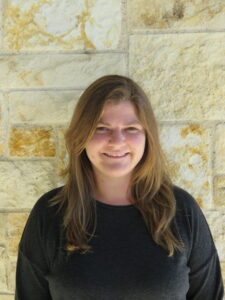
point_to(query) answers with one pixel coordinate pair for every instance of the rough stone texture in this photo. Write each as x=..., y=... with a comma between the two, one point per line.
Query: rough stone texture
x=1, y=11
x=187, y=150
x=23, y=182
x=62, y=157
x=58, y=70
x=90, y=24
x=219, y=191
x=220, y=149
x=42, y=106
x=176, y=14
x=7, y=297
x=2, y=227
x=223, y=272
x=47, y=58
x=32, y=142
x=1, y=129
x=183, y=73
x=216, y=221
x=11, y=267
x=3, y=283
x=15, y=226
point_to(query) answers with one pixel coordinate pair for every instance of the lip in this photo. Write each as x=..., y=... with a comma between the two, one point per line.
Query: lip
x=115, y=157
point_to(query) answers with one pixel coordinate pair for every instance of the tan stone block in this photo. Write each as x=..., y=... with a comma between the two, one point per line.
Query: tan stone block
x=174, y=14
x=58, y=70
x=32, y=142
x=183, y=74
x=187, y=149
x=23, y=182
x=219, y=188
x=3, y=282
x=42, y=106
x=220, y=149
x=2, y=227
x=11, y=273
x=223, y=271
x=216, y=221
x=1, y=25
x=15, y=226
x=32, y=24
x=62, y=157
x=1, y=124
x=7, y=297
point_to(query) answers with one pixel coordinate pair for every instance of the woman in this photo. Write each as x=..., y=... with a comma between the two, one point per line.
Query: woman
x=118, y=229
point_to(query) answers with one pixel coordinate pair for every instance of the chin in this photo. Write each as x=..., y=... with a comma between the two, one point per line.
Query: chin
x=116, y=174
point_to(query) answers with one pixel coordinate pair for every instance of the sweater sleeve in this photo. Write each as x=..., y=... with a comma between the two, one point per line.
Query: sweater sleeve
x=30, y=280
x=33, y=261
x=205, y=277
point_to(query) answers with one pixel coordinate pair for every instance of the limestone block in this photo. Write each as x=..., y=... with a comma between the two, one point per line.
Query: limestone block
x=58, y=70
x=176, y=14
x=1, y=101
x=32, y=142
x=1, y=23
x=42, y=106
x=2, y=227
x=183, y=74
x=62, y=157
x=187, y=149
x=15, y=226
x=220, y=149
x=223, y=272
x=22, y=182
x=1, y=124
x=219, y=188
x=63, y=24
x=3, y=283
x=216, y=221
x=7, y=297
x=11, y=273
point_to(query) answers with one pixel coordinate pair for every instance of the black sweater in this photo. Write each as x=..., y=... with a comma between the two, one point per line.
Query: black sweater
x=126, y=264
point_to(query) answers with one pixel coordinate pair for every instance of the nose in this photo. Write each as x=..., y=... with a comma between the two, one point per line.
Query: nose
x=117, y=137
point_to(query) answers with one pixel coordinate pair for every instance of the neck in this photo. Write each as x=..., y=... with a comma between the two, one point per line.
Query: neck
x=113, y=191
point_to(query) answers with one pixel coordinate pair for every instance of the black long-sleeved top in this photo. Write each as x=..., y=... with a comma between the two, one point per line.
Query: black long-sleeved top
x=126, y=264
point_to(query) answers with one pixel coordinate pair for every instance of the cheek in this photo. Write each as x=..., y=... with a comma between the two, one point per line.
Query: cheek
x=138, y=141
x=97, y=140
x=94, y=145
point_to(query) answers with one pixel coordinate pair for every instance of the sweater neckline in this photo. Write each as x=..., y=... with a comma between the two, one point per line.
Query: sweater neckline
x=112, y=206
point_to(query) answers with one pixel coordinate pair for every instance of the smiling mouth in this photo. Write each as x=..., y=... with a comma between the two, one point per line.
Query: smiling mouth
x=116, y=156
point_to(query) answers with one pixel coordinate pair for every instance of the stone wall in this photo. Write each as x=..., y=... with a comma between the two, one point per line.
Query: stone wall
x=51, y=50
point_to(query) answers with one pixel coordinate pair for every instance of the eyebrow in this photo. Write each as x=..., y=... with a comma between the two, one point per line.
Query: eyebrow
x=126, y=124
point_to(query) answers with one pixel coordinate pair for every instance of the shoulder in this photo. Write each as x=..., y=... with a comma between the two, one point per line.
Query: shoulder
x=185, y=202
x=42, y=215
x=44, y=200
x=43, y=207
x=188, y=213
x=42, y=229
x=190, y=218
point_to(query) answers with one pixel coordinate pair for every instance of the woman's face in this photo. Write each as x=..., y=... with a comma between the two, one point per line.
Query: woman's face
x=118, y=142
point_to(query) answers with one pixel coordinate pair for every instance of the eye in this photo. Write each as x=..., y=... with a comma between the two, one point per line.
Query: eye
x=101, y=129
x=132, y=129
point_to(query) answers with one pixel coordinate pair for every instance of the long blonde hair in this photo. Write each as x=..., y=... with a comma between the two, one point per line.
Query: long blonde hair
x=150, y=186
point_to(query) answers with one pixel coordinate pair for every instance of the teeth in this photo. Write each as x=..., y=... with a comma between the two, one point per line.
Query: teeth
x=115, y=155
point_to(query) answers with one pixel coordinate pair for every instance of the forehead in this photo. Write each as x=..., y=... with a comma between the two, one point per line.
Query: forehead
x=119, y=111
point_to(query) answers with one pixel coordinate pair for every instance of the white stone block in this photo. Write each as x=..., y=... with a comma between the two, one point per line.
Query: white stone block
x=220, y=149
x=187, y=149
x=23, y=182
x=172, y=14
x=63, y=24
x=51, y=107
x=58, y=70
x=183, y=74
